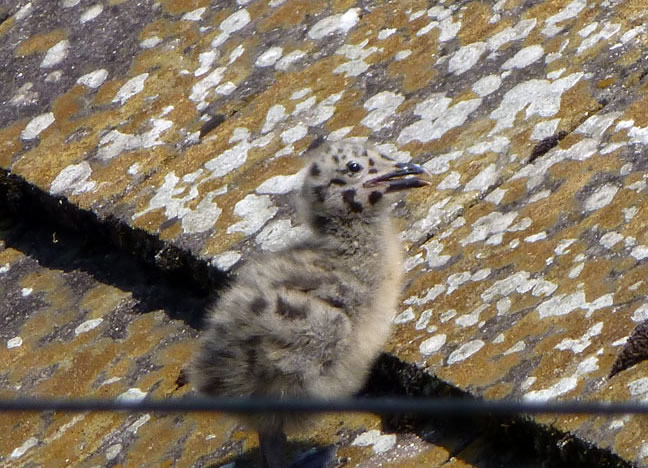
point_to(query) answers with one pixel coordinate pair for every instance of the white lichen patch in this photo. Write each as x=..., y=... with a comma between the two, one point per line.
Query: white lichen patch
x=432, y=345
x=115, y=142
x=113, y=451
x=493, y=223
x=385, y=33
x=516, y=348
x=485, y=179
x=132, y=394
x=280, y=234
x=236, y=21
x=468, y=320
x=201, y=90
x=610, y=239
x=204, y=216
x=424, y=319
x=520, y=31
x=226, y=260
x=20, y=451
x=255, y=210
x=87, y=326
x=536, y=237
x=382, y=106
x=563, y=304
x=603, y=196
x=194, y=15
x=26, y=10
x=150, y=42
x=275, y=115
x=579, y=345
x=561, y=387
x=402, y=55
x=430, y=295
x=465, y=351
x=433, y=248
x=496, y=196
x=466, y=57
x=356, y=53
x=56, y=54
x=639, y=252
x=287, y=60
x=94, y=79
x=525, y=57
x=14, y=342
x=455, y=280
x=639, y=388
x=206, y=60
x=608, y=30
x=133, y=428
x=437, y=119
x=406, y=316
x=544, y=129
x=440, y=164
x=538, y=97
x=556, y=23
x=576, y=271
x=37, y=125
x=75, y=178
x=269, y=57
x=294, y=134
x=597, y=124
x=451, y=182
x=340, y=23
x=132, y=87
x=166, y=197
x=487, y=85
x=91, y=13
x=25, y=95
x=379, y=442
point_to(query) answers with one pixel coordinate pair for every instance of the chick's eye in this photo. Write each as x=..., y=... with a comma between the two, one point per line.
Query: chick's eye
x=354, y=166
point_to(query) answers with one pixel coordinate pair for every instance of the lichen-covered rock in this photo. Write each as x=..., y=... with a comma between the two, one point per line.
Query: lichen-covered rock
x=186, y=119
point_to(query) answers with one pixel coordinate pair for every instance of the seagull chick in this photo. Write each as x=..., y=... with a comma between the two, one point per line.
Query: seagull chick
x=309, y=321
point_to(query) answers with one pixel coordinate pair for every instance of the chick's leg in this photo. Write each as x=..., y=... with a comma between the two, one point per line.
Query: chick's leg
x=272, y=444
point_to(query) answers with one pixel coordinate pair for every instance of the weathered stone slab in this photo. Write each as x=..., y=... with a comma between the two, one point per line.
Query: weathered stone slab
x=186, y=119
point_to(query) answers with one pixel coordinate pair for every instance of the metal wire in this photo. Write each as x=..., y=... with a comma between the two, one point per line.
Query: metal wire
x=429, y=406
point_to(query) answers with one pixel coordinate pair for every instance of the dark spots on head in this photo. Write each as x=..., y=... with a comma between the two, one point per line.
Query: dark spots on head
x=321, y=223
x=349, y=198
x=371, y=162
x=320, y=193
x=336, y=159
x=258, y=305
x=315, y=170
x=289, y=311
x=373, y=170
x=386, y=158
x=374, y=197
x=334, y=302
x=338, y=181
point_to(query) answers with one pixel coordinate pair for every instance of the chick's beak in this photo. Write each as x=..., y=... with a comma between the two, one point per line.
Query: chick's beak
x=397, y=179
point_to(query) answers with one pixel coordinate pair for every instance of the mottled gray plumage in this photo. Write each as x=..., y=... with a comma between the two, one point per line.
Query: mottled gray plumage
x=308, y=321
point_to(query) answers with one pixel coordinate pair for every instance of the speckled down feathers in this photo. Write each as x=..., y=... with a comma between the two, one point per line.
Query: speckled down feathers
x=308, y=321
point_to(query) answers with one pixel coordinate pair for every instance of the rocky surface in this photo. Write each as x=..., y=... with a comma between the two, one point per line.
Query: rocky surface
x=167, y=136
